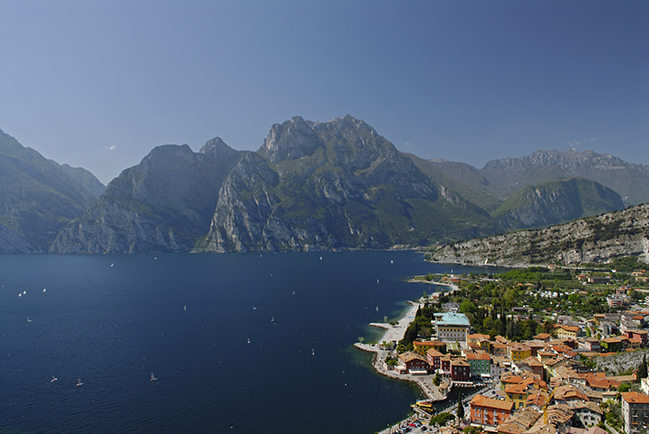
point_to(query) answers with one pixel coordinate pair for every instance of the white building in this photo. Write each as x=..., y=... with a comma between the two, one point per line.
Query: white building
x=452, y=327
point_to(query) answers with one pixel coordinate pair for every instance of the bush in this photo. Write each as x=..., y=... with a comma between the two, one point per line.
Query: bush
x=441, y=419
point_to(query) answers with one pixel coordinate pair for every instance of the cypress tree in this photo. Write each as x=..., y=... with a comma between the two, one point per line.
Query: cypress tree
x=642, y=369
x=460, y=408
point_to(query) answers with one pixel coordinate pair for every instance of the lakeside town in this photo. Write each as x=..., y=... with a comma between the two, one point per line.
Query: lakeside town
x=539, y=350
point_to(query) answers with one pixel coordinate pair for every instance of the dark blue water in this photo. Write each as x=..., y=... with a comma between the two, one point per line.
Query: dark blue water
x=113, y=320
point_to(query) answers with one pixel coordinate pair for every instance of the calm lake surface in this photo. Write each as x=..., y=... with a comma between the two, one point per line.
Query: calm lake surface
x=239, y=343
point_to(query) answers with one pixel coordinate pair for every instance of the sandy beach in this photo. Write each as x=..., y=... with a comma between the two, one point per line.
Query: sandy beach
x=396, y=332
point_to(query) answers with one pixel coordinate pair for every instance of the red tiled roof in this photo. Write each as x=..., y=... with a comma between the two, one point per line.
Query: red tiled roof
x=635, y=398
x=483, y=401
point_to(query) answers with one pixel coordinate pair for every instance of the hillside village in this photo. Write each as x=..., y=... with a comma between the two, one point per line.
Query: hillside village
x=541, y=350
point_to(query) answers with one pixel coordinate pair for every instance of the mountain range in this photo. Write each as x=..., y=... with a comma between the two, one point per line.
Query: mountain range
x=310, y=186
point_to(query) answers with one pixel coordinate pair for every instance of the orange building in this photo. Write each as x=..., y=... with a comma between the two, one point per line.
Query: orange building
x=487, y=411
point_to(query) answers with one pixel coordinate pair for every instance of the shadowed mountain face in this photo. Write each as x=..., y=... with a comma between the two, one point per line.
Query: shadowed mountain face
x=37, y=198
x=163, y=204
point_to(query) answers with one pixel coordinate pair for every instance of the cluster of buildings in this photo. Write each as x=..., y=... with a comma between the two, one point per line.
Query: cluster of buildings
x=540, y=384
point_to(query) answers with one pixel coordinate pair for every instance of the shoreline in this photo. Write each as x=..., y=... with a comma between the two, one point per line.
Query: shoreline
x=394, y=333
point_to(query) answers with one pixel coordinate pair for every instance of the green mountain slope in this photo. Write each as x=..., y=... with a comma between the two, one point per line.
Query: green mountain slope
x=554, y=202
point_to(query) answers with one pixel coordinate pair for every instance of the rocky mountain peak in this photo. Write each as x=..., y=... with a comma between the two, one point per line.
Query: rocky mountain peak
x=217, y=148
x=292, y=139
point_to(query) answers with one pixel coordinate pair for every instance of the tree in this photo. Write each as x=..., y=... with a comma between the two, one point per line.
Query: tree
x=642, y=368
x=460, y=408
x=437, y=380
x=441, y=419
x=624, y=387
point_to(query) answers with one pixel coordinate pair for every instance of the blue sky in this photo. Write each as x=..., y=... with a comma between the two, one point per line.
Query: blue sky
x=98, y=84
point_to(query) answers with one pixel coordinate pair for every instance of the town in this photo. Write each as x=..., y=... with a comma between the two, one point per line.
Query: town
x=537, y=350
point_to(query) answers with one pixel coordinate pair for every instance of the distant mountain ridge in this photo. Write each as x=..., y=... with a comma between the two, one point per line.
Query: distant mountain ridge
x=499, y=179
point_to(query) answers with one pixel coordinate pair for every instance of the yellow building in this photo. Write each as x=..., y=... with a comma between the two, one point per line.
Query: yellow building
x=517, y=393
x=567, y=332
x=518, y=352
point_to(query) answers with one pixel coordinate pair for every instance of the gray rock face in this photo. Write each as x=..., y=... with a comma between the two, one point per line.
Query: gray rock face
x=593, y=239
x=293, y=139
x=323, y=185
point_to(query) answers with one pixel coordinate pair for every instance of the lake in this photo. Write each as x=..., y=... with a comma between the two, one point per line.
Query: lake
x=238, y=343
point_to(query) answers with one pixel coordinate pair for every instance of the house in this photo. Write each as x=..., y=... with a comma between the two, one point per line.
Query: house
x=637, y=336
x=635, y=411
x=569, y=394
x=445, y=365
x=433, y=358
x=567, y=331
x=590, y=344
x=499, y=349
x=460, y=370
x=413, y=363
x=518, y=352
x=536, y=401
x=487, y=411
x=480, y=363
x=587, y=414
x=517, y=393
x=560, y=417
x=531, y=364
x=478, y=342
x=599, y=280
x=611, y=345
x=543, y=337
x=518, y=387
x=520, y=422
x=422, y=346
x=536, y=346
x=617, y=300
x=498, y=368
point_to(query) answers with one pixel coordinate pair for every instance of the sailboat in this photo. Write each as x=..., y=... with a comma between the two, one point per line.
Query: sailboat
x=79, y=383
x=53, y=379
x=153, y=378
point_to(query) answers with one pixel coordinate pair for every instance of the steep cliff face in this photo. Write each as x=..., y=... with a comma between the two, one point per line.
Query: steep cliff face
x=163, y=204
x=329, y=185
x=593, y=239
x=556, y=202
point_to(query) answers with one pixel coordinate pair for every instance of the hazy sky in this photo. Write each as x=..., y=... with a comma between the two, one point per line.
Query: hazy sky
x=98, y=84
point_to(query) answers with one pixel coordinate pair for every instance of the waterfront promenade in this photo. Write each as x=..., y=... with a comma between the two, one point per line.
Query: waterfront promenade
x=395, y=333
